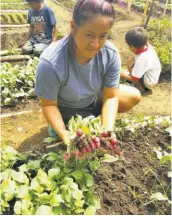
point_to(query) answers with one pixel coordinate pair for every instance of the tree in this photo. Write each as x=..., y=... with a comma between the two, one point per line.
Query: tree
x=149, y=14
x=145, y=11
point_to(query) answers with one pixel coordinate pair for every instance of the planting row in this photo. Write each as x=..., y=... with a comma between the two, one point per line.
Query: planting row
x=140, y=6
x=14, y=7
x=13, y=18
x=17, y=82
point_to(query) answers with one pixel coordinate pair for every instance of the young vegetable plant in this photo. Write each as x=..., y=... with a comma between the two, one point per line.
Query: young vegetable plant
x=17, y=82
x=46, y=185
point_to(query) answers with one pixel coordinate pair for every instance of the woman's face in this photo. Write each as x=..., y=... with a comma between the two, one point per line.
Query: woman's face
x=91, y=36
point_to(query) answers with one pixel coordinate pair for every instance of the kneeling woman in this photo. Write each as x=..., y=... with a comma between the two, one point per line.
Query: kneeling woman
x=80, y=74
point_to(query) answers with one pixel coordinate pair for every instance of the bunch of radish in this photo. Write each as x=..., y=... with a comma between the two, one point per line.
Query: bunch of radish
x=84, y=144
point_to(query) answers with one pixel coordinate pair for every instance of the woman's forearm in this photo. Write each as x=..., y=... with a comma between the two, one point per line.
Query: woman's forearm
x=109, y=113
x=54, y=118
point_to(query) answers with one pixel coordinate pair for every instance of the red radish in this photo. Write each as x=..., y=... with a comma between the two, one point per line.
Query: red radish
x=113, y=147
x=66, y=156
x=105, y=134
x=76, y=154
x=89, y=149
x=80, y=154
x=102, y=139
x=96, y=140
x=98, y=145
x=92, y=144
x=83, y=150
x=113, y=140
x=117, y=152
x=79, y=133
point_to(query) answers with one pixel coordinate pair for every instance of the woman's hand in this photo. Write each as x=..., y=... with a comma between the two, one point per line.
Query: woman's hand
x=66, y=136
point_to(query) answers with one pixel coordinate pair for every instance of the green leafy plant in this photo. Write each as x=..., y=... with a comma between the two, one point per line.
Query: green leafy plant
x=160, y=39
x=17, y=82
x=8, y=17
x=15, y=18
x=22, y=18
x=55, y=188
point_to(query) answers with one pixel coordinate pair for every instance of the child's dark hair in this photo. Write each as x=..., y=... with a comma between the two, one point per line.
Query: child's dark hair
x=136, y=37
x=87, y=9
x=36, y=1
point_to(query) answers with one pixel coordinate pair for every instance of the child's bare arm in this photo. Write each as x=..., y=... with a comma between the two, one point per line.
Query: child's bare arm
x=128, y=77
x=130, y=63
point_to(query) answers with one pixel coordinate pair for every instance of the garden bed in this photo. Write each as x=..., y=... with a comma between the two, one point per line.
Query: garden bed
x=17, y=6
x=132, y=184
x=13, y=18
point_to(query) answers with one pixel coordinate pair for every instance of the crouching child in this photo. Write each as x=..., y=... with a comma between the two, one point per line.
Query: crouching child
x=144, y=68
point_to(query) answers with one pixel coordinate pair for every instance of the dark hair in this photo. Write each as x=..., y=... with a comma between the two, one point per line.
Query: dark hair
x=136, y=37
x=86, y=9
x=36, y=1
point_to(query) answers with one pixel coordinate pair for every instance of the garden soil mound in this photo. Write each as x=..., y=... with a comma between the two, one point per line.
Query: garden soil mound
x=114, y=180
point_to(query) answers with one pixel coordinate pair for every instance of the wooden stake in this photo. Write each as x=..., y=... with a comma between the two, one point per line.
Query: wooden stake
x=14, y=26
x=14, y=11
x=53, y=145
x=14, y=58
x=6, y=52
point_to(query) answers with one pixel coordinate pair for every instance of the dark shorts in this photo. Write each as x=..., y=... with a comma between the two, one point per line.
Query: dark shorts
x=141, y=81
x=93, y=109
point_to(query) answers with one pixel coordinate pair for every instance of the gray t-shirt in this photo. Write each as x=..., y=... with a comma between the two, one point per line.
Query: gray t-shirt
x=60, y=77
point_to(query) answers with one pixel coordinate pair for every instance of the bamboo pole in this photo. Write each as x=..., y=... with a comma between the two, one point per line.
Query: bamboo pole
x=14, y=11
x=6, y=52
x=14, y=58
x=165, y=8
x=13, y=3
x=53, y=145
x=14, y=26
x=56, y=2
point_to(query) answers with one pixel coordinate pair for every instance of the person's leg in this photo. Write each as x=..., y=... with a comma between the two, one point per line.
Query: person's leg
x=67, y=113
x=27, y=48
x=128, y=98
x=143, y=87
x=39, y=48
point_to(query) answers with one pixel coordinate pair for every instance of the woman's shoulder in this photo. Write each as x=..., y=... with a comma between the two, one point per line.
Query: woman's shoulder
x=109, y=53
x=110, y=47
x=56, y=50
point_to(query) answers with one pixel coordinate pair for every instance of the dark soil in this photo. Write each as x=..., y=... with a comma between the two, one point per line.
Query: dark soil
x=114, y=180
x=11, y=39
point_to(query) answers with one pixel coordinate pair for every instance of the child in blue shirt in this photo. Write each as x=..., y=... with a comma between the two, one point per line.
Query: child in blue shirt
x=43, y=28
